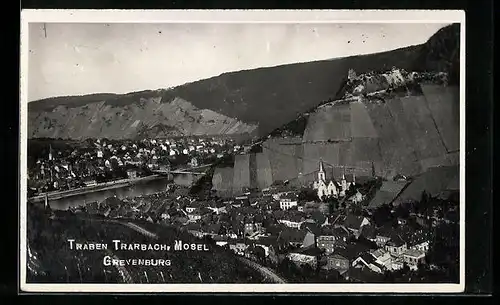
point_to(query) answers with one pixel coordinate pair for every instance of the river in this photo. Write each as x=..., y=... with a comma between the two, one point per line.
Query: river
x=138, y=189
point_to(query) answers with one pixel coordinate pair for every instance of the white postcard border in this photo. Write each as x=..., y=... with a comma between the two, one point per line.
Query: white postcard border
x=235, y=16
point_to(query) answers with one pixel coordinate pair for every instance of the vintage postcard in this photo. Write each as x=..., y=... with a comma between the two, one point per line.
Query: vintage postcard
x=242, y=151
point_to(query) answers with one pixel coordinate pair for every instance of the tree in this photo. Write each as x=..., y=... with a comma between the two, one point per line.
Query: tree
x=406, y=269
x=402, y=211
x=260, y=253
x=114, y=164
x=284, y=267
x=308, y=195
x=333, y=204
x=350, y=192
x=356, y=210
x=444, y=250
x=382, y=214
x=389, y=276
x=365, y=241
x=424, y=202
x=307, y=271
x=422, y=270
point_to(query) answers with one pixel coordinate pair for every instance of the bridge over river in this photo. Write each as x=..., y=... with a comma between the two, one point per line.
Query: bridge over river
x=62, y=200
x=198, y=170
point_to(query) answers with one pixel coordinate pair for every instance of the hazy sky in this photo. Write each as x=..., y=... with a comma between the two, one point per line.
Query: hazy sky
x=74, y=59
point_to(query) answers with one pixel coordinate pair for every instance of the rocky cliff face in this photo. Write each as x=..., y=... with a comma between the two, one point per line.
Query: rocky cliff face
x=149, y=117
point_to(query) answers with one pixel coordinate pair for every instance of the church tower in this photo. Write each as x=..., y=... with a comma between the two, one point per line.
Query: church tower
x=343, y=183
x=50, y=153
x=321, y=173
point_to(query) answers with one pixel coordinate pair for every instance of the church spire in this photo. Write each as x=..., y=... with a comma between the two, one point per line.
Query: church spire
x=321, y=173
x=321, y=166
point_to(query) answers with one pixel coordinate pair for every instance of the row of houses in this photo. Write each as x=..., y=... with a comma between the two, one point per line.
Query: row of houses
x=328, y=242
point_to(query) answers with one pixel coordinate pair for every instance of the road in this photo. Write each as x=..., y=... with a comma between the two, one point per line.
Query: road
x=268, y=273
x=140, y=229
x=90, y=189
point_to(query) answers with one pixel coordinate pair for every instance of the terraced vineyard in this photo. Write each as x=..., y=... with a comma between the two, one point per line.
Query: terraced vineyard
x=150, y=118
x=399, y=134
x=57, y=263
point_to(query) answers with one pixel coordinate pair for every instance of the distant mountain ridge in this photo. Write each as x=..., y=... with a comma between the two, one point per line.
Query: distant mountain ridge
x=264, y=97
x=149, y=117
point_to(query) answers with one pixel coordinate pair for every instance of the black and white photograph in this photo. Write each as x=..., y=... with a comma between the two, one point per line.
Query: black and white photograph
x=277, y=151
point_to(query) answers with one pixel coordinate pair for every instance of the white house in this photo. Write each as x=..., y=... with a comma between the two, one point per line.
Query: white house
x=190, y=209
x=291, y=223
x=305, y=256
x=383, y=258
x=369, y=261
x=396, y=247
x=357, y=198
x=422, y=246
x=238, y=247
x=221, y=243
x=194, y=216
x=413, y=258
x=288, y=201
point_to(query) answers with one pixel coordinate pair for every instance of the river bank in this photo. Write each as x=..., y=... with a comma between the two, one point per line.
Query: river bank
x=96, y=188
x=120, y=189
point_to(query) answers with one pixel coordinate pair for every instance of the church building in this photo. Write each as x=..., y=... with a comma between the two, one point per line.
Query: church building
x=331, y=188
